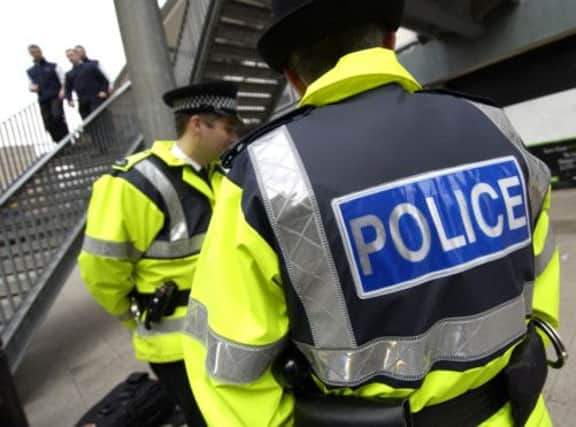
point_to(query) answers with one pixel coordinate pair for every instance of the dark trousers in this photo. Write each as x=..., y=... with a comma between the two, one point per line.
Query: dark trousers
x=85, y=107
x=173, y=377
x=53, y=118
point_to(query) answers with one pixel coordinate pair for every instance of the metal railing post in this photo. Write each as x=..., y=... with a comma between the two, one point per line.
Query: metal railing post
x=11, y=412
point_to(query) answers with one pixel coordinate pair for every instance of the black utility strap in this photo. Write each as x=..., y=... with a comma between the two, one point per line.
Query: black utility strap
x=180, y=299
x=469, y=410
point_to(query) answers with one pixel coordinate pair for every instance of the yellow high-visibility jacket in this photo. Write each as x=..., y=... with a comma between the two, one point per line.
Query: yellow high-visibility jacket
x=146, y=224
x=241, y=314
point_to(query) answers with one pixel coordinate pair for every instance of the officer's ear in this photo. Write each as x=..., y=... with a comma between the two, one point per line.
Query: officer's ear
x=194, y=124
x=295, y=81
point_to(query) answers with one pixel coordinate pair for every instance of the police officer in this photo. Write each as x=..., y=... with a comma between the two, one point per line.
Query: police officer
x=146, y=224
x=395, y=240
x=47, y=81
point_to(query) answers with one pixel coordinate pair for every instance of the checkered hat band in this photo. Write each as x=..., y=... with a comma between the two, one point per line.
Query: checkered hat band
x=217, y=102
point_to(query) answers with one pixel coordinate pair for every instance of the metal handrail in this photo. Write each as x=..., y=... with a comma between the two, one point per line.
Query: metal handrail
x=42, y=216
x=70, y=138
x=23, y=141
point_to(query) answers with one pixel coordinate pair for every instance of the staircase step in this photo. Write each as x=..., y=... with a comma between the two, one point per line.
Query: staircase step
x=240, y=34
x=225, y=51
x=221, y=69
x=252, y=13
x=260, y=87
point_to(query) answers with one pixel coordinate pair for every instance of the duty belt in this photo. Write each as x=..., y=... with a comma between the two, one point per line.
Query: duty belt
x=163, y=302
x=467, y=410
x=180, y=299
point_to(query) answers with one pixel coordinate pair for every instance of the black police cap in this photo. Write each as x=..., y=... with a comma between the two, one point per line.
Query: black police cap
x=210, y=97
x=301, y=22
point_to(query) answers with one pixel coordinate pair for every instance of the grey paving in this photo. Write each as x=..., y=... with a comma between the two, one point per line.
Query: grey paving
x=80, y=353
x=76, y=357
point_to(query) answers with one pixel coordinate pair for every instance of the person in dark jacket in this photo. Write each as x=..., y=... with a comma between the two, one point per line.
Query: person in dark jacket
x=89, y=83
x=81, y=51
x=46, y=80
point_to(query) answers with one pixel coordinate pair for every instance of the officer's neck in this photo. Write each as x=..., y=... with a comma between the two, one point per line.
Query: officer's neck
x=192, y=149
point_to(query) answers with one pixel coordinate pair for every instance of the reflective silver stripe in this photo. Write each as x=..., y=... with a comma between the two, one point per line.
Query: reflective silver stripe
x=178, y=227
x=295, y=218
x=539, y=173
x=462, y=339
x=124, y=317
x=528, y=297
x=543, y=258
x=120, y=250
x=226, y=360
x=177, y=249
x=166, y=326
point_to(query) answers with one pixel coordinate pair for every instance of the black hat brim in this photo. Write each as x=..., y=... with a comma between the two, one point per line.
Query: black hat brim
x=315, y=19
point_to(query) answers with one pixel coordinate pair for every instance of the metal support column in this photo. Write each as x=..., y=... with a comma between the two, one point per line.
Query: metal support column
x=11, y=411
x=149, y=65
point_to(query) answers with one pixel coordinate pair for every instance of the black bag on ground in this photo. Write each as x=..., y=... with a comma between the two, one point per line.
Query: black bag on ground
x=137, y=402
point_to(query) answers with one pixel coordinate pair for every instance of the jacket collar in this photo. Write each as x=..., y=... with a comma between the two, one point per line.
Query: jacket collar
x=177, y=151
x=358, y=72
x=163, y=149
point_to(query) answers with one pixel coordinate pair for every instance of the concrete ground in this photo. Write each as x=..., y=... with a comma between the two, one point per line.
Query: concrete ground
x=80, y=353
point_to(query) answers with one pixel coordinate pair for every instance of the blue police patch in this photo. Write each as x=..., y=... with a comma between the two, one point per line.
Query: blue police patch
x=408, y=232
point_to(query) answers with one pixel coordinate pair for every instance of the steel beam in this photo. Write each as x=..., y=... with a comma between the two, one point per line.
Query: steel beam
x=429, y=17
x=149, y=66
x=539, y=72
x=513, y=30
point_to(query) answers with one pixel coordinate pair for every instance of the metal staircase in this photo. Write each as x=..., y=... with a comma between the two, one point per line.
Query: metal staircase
x=44, y=199
x=228, y=52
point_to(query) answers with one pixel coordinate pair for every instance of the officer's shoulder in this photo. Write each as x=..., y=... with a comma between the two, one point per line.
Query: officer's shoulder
x=256, y=134
x=461, y=95
x=127, y=163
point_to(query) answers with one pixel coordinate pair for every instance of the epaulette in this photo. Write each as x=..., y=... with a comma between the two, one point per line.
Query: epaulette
x=227, y=159
x=127, y=163
x=458, y=94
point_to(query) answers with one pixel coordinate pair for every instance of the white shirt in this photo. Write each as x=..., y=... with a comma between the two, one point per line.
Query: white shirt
x=177, y=151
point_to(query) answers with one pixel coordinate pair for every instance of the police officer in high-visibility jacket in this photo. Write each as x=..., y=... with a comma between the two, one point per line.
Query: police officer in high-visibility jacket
x=146, y=225
x=381, y=256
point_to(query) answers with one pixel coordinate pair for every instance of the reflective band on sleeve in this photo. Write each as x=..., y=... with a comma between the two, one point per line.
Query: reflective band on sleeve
x=296, y=220
x=165, y=326
x=464, y=339
x=177, y=249
x=119, y=250
x=178, y=227
x=539, y=173
x=226, y=360
x=543, y=258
